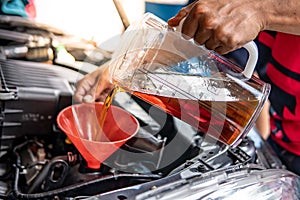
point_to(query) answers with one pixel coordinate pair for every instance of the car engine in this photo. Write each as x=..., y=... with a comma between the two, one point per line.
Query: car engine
x=164, y=160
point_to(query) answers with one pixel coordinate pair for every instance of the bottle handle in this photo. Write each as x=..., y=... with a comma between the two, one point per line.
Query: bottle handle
x=250, y=47
x=252, y=60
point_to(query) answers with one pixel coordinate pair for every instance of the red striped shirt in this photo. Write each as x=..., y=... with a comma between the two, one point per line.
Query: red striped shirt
x=282, y=70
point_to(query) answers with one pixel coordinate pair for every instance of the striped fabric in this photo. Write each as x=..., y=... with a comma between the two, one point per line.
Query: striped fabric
x=280, y=65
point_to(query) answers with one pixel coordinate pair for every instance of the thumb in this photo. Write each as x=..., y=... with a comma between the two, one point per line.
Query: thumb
x=174, y=21
x=90, y=96
x=104, y=82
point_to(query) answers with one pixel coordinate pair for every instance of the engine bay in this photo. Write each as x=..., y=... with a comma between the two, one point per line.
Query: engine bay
x=38, y=161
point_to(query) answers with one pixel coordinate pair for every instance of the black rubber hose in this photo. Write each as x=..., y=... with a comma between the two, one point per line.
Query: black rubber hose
x=50, y=194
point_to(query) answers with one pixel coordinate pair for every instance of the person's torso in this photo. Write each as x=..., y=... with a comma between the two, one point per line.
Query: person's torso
x=280, y=65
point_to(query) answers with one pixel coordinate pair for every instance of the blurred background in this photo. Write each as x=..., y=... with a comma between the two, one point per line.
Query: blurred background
x=46, y=46
x=99, y=20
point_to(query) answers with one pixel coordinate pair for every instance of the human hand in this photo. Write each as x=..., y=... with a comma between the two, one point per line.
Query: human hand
x=94, y=86
x=221, y=25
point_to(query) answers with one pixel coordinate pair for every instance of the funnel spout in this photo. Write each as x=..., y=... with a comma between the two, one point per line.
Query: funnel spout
x=80, y=123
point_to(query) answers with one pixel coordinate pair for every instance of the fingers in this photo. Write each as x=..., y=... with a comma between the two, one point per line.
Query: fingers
x=104, y=93
x=104, y=86
x=198, y=22
x=202, y=36
x=201, y=24
x=212, y=44
x=91, y=86
x=88, y=99
x=206, y=23
x=84, y=86
x=174, y=21
x=220, y=25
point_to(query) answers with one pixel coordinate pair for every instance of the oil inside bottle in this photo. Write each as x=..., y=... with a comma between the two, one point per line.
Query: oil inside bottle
x=224, y=119
x=221, y=108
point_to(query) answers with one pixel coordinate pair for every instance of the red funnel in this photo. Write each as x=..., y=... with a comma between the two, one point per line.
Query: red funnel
x=80, y=123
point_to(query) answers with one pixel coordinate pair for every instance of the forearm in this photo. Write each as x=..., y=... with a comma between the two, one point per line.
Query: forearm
x=225, y=25
x=263, y=122
x=281, y=15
